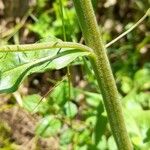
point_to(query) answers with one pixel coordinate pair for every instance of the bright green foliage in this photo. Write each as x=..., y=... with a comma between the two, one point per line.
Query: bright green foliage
x=50, y=22
x=71, y=109
x=48, y=126
x=66, y=137
x=22, y=64
x=60, y=95
x=57, y=110
x=30, y=102
x=142, y=78
x=147, y=139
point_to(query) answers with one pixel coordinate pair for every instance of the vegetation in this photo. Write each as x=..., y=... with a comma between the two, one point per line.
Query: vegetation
x=68, y=106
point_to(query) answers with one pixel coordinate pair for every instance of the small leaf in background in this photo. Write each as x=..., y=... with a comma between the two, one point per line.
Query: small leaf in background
x=84, y=147
x=93, y=99
x=102, y=143
x=83, y=137
x=138, y=122
x=48, y=126
x=126, y=84
x=60, y=93
x=101, y=122
x=147, y=139
x=41, y=3
x=32, y=103
x=111, y=143
x=143, y=98
x=133, y=128
x=130, y=101
x=66, y=137
x=142, y=78
x=91, y=121
x=70, y=109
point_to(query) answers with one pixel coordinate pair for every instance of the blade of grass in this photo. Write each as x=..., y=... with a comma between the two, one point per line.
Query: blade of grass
x=68, y=68
x=130, y=29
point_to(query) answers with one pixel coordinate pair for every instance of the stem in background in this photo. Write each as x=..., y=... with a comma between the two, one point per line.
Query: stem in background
x=63, y=21
x=129, y=30
x=68, y=68
x=14, y=30
x=103, y=73
x=40, y=46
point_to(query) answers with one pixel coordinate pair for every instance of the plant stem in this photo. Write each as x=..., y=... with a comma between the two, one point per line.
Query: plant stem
x=40, y=46
x=103, y=73
x=129, y=30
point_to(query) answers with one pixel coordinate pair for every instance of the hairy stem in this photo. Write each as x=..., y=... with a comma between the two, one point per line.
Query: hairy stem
x=40, y=46
x=103, y=73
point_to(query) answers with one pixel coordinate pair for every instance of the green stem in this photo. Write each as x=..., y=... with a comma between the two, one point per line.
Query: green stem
x=62, y=19
x=103, y=73
x=129, y=30
x=40, y=46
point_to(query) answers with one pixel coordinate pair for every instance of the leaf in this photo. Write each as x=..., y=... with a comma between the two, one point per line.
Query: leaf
x=14, y=67
x=31, y=103
x=142, y=78
x=66, y=137
x=143, y=98
x=138, y=122
x=142, y=117
x=93, y=99
x=84, y=137
x=111, y=143
x=60, y=94
x=147, y=139
x=70, y=109
x=101, y=122
x=126, y=84
x=48, y=126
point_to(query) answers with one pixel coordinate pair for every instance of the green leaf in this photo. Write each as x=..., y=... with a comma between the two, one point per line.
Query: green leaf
x=142, y=78
x=84, y=137
x=111, y=143
x=93, y=99
x=147, y=139
x=48, y=126
x=91, y=121
x=70, y=109
x=60, y=94
x=31, y=103
x=142, y=117
x=138, y=122
x=63, y=61
x=101, y=122
x=126, y=84
x=66, y=137
x=14, y=67
x=143, y=98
